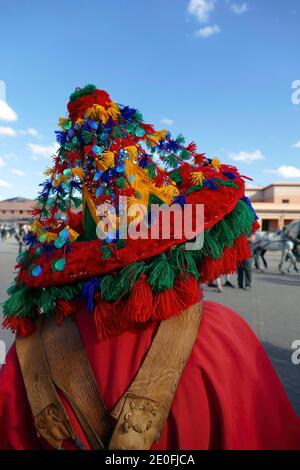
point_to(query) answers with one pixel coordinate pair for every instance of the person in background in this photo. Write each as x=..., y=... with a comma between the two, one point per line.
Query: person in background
x=244, y=269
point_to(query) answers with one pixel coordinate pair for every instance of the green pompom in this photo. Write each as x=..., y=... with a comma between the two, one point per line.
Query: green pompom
x=87, y=90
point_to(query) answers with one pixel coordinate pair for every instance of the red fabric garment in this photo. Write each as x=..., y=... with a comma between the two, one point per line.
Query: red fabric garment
x=229, y=396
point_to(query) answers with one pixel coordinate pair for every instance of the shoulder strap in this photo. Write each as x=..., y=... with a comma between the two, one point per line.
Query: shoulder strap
x=55, y=357
x=72, y=374
x=50, y=419
x=144, y=408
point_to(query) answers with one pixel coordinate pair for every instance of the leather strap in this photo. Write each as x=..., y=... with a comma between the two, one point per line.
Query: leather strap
x=144, y=408
x=50, y=418
x=72, y=374
x=55, y=357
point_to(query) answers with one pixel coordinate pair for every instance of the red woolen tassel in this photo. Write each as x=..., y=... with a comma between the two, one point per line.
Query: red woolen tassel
x=138, y=308
x=187, y=290
x=210, y=269
x=23, y=326
x=255, y=226
x=108, y=318
x=63, y=308
x=213, y=268
x=167, y=304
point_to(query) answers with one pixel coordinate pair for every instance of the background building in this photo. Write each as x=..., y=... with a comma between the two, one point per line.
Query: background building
x=276, y=205
x=16, y=210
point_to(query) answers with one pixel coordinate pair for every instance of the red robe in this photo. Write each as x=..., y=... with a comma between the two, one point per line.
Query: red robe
x=229, y=396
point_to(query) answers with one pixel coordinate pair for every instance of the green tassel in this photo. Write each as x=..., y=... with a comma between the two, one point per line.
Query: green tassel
x=183, y=261
x=120, y=182
x=161, y=274
x=151, y=171
x=21, y=303
x=175, y=176
x=110, y=291
x=86, y=136
x=226, y=183
x=113, y=287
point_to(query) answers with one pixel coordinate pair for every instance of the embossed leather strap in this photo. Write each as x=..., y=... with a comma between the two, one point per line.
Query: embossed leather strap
x=50, y=418
x=55, y=357
x=72, y=374
x=144, y=408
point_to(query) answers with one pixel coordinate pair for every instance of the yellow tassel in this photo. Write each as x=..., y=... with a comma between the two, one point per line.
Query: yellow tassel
x=36, y=228
x=73, y=235
x=169, y=192
x=50, y=237
x=101, y=165
x=154, y=138
x=49, y=172
x=56, y=183
x=63, y=178
x=198, y=177
x=97, y=112
x=62, y=121
x=216, y=164
x=113, y=111
x=132, y=152
x=79, y=172
x=108, y=159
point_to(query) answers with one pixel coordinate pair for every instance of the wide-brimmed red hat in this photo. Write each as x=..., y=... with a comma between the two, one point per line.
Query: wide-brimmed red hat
x=110, y=170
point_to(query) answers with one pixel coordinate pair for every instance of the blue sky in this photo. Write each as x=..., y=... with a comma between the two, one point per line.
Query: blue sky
x=220, y=72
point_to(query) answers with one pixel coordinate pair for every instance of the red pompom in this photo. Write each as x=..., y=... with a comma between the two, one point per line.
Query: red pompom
x=78, y=107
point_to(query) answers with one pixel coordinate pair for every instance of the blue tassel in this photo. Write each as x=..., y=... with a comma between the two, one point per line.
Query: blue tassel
x=210, y=185
x=230, y=175
x=75, y=184
x=143, y=161
x=248, y=202
x=173, y=146
x=61, y=137
x=128, y=113
x=181, y=200
x=29, y=239
x=88, y=291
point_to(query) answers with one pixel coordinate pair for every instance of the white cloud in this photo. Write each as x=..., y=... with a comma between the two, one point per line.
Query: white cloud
x=29, y=131
x=297, y=145
x=17, y=172
x=7, y=131
x=2, y=162
x=247, y=157
x=239, y=8
x=6, y=112
x=167, y=121
x=285, y=171
x=208, y=31
x=201, y=9
x=32, y=132
x=45, y=151
x=5, y=184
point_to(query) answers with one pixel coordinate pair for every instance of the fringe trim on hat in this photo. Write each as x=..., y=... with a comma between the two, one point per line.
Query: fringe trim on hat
x=142, y=291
